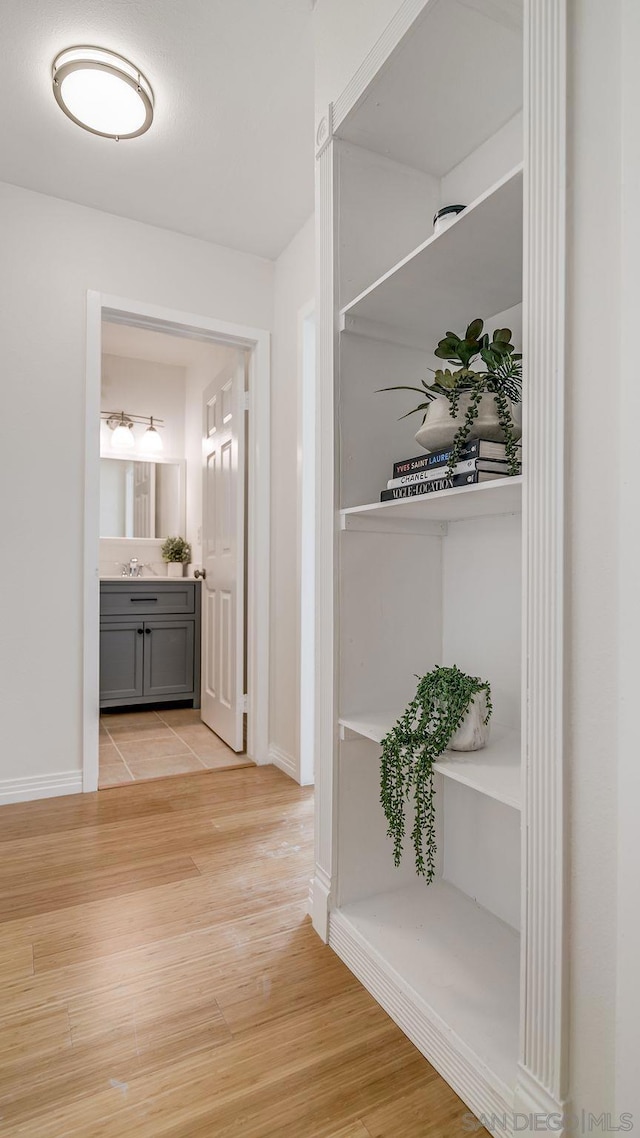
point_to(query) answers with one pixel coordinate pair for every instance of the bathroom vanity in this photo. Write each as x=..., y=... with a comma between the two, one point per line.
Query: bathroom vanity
x=149, y=641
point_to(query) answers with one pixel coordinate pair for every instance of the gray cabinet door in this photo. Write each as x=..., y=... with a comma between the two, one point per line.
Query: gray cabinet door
x=121, y=657
x=168, y=657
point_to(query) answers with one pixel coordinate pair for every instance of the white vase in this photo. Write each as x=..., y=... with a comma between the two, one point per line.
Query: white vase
x=439, y=429
x=473, y=732
x=175, y=569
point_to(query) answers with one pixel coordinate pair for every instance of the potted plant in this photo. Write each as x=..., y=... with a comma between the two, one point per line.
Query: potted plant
x=471, y=400
x=177, y=553
x=449, y=710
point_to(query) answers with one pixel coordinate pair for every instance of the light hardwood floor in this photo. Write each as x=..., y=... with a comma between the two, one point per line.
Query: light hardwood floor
x=159, y=977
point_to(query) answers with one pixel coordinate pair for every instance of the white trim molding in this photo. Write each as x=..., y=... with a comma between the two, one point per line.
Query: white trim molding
x=258, y=342
x=379, y=55
x=285, y=762
x=307, y=481
x=320, y=903
x=325, y=703
x=40, y=786
x=543, y=1037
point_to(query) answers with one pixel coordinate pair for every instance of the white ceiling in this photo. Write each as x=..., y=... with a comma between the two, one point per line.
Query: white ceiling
x=160, y=347
x=229, y=157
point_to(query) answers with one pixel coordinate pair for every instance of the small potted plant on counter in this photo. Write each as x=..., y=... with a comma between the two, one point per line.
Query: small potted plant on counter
x=449, y=710
x=177, y=553
x=469, y=401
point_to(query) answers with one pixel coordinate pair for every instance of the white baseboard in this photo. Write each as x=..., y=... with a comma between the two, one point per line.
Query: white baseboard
x=40, y=786
x=320, y=903
x=533, y=1101
x=285, y=762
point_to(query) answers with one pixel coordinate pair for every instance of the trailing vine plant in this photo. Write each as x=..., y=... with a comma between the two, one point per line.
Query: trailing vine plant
x=409, y=751
x=502, y=378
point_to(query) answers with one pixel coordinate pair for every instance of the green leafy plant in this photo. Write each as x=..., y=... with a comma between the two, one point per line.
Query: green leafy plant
x=176, y=549
x=501, y=377
x=409, y=750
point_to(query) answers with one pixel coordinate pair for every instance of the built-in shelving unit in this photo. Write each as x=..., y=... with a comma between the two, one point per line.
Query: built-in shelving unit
x=494, y=771
x=474, y=266
x=445, y=578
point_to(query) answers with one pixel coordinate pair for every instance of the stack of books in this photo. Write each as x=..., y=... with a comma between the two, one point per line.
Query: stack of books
x=480, y=461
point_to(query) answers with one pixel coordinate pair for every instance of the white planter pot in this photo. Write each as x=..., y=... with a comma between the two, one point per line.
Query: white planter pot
x=439, y=429
x=175, y=569
x=473, y=732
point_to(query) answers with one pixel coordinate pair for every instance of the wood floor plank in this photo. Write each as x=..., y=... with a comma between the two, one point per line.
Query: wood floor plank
x=327, y=1034
x=159, y=976
x=431, y=1110
x=354, y=1130
x=16, y=959
x=43, y=1030
x=32, y=897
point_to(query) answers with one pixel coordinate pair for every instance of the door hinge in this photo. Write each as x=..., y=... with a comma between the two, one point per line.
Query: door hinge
x=244, y=703
x=247, y=400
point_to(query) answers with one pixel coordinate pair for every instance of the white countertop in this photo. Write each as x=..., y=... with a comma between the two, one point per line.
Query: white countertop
x=150, y=580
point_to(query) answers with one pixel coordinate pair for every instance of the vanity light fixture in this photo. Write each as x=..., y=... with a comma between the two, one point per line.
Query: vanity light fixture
x=123, y=437
x=151, y=441
x=102, y=92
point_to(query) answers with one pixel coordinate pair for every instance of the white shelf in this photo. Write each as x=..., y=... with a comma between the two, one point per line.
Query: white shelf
x=447, y=970
x=484, y=499
x=407, y=112
x=493, y=771
x=472, y=269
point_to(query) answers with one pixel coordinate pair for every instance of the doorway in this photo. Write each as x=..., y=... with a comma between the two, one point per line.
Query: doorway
x=253, y=344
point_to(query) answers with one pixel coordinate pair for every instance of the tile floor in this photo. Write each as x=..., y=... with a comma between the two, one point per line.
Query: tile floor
x=136, y=745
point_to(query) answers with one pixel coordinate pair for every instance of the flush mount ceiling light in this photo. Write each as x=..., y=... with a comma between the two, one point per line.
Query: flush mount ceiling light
x=102, y=92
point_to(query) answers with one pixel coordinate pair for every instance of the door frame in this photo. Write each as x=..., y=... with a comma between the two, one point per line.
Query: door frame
x=307, y=478
x=257, y=341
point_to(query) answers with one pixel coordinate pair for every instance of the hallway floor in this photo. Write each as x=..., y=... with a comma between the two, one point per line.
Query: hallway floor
x=159, y=976
x=138, y=745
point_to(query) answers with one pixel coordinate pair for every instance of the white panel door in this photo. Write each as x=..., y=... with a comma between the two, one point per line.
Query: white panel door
x=223, y=554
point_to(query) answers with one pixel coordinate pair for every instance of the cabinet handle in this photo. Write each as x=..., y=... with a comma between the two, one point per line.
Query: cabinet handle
x=139, y=631
x=134, y=600
x=148, y=631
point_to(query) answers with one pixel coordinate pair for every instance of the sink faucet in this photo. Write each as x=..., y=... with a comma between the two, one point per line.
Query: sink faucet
x=132, y=569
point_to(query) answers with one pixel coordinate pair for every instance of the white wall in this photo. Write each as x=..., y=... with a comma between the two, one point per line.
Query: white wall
x=144, y=387
x=628, y=928
x=294, y=288
x=593, y=290
x=52, y=253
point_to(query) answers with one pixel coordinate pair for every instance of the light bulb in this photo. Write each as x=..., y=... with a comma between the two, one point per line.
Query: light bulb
x=122, y=438
x=151, y=441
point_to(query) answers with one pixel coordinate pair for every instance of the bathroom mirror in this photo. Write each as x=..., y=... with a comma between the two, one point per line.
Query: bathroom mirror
x=141, y=499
